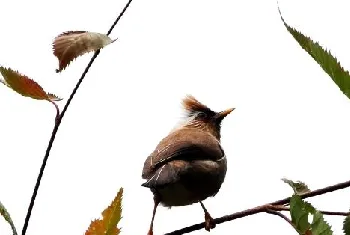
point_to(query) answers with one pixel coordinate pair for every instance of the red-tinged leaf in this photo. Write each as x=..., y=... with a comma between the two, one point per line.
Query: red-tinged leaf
x=111, y=217
x=96, y=228
x=69, y=45
x=24, y=85
x=54, y=97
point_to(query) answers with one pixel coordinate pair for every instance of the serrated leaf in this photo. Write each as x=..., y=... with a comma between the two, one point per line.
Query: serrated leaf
x=297, y=186
x=24, y=85
x=346, y=225
x=324, y=58
x=71, y=44
x=7, y=217
x=110, y=218
x=300, y=211
x=299, y=214
x=96, y=228
x=319, y=226
x=113, y=214
x=54, y=97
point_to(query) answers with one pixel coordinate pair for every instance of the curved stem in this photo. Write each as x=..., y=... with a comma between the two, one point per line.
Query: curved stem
x=57, y=110
x=272, y=212
x=57, y=124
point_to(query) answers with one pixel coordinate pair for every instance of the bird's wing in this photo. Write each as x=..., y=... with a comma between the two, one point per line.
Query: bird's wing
x=167, y=174
x=176, y=161
x=185, y=151
x=184, y=148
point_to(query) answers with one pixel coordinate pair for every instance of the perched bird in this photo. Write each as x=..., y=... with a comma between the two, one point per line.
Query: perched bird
x=189, y=164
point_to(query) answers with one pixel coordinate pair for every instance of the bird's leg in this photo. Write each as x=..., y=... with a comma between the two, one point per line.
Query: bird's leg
x=156, y=203
x=209, y=221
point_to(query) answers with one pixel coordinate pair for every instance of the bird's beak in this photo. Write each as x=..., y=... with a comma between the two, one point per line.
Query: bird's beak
x=223, y=114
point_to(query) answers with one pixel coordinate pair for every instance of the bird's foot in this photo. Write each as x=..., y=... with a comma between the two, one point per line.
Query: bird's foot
x=209, y=222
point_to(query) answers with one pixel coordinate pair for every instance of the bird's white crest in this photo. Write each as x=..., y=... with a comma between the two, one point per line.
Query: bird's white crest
x=191, y=107
x=184, y=120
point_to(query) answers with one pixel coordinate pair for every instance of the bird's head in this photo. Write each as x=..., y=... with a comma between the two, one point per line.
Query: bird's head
x=202, y=117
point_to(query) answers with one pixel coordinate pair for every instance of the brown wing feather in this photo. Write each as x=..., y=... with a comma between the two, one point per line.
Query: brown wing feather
x=167, y=174
x=184, y=144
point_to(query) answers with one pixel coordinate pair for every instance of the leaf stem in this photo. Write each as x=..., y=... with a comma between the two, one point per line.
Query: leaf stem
x=272, y=212
x=57, y=110
x=58, y=122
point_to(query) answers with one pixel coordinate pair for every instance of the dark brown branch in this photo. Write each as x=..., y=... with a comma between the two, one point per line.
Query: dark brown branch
x=316, y=192
x=260, y=209
x=269, y=211
x=58, y=122
x=335, y=213
x=284, y=208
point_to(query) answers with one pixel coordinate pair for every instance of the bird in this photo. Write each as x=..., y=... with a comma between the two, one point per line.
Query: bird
x=189, y=164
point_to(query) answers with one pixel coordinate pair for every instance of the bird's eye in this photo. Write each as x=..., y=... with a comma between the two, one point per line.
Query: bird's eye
x=201, y=115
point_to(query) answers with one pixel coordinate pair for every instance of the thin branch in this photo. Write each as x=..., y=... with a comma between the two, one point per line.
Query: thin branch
x=284, y=208
x=316, y=192
x=272, y=212
x=335, y=213
x=118, y=18
x=260, y=209
x=58, y=122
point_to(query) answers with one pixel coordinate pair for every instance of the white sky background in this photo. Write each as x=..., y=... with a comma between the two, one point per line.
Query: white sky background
x=290, y=121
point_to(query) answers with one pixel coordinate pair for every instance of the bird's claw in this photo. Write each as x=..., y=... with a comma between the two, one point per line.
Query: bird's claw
x=209, y=222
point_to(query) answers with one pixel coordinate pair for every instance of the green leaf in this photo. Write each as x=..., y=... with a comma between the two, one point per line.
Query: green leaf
x=324, y=58
x=319, y=225
x=300, y=211
x=298, y=186
x=346, y=225
x=7, y=217
x=299, y=214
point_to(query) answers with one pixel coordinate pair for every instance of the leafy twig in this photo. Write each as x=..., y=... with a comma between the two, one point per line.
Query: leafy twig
x=58, y=122
x=262, y=208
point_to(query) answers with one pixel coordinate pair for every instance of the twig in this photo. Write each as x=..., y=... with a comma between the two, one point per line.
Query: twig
x=316, y=192
x=58, y=122
x=269, y=211
x=335, y=213
x=284, y=208
x=260, y=209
